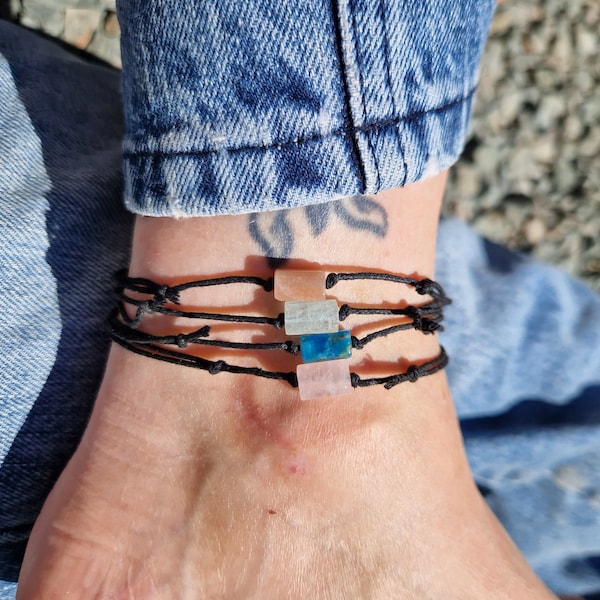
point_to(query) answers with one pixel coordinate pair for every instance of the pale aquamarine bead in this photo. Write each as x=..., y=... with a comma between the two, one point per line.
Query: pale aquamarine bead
x=324, y=379
x=311, y=317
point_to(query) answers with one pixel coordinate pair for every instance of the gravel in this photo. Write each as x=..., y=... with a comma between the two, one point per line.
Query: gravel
x=89, y=25
x=530, y=174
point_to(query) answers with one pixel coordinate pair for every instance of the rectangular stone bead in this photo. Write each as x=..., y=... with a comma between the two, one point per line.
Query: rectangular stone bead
x=311, y=317
x=326, y=346
x=299, y=285
x=324, y=379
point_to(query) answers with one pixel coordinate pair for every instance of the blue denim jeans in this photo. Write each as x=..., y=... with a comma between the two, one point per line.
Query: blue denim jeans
x=524, y=339
x=235, y=107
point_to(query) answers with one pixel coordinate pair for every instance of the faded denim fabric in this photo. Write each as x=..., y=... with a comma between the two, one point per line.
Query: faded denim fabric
x=235, y=107
x=524, y=339
x=64, y=230
x=524, y=347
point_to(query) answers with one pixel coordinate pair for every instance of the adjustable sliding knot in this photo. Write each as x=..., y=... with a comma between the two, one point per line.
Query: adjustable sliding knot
x=181, y=341
x=154, y=305
x=413, y=313
x=354, y=380
x=419, y=322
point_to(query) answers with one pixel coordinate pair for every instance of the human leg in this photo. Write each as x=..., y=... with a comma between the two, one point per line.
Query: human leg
x=232, y=478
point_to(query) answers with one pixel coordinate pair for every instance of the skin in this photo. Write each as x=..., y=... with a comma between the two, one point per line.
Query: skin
x=189, y=485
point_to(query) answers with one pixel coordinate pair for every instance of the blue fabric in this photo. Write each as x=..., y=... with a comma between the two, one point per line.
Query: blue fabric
x=524, y=342
x=235, y=107
x=524, y=339
x=63, y=230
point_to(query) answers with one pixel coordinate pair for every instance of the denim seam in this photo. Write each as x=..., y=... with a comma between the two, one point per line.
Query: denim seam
x=277, y=145
x=354, y=38
x=386, y=62
x=351, y=128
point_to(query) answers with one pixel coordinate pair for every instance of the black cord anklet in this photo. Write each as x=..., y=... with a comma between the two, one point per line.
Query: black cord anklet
x=214, y=367
x=324, y=348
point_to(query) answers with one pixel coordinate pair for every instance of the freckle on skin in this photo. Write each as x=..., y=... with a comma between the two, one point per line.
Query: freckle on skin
x=272, y=512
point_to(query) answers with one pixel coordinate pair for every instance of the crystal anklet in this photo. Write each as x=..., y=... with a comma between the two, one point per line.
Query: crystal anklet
x=308, y=314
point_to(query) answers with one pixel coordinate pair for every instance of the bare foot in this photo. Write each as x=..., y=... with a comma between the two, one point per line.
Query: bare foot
x=188, y=485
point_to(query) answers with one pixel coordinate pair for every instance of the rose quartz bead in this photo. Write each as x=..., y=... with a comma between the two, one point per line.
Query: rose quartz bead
x=299, y=285
x=324, y=379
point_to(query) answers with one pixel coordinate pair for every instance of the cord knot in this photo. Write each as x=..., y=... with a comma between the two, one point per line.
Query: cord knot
x=426, y=287
x=412, y=373
x=331, y=280
x=356, y=343
x=216, y=367
x=344, y=312
x=279, y=322
x=181, y=340
x=429, y=325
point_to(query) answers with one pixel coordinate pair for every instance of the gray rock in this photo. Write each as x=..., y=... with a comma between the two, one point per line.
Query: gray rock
x=549, y=112
x=107, y=48
x=80, y=26
x=46, y=18
x=535, y=231
x=586, y=42
x=111, y=26
x=573, y=127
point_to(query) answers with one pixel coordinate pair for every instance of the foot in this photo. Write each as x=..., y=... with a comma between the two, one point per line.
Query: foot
x=191, y=485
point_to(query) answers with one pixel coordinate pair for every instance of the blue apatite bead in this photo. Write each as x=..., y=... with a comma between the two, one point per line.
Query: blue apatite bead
x=325, y=346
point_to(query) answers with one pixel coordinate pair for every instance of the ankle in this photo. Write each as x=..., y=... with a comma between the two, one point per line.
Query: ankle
x=397, y=227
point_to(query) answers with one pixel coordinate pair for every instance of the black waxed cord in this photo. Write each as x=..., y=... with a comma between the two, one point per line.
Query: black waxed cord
x=182, y=340
x=213, y=367
x=148, y=307
x=146, y=286
x=162, y=293
x=422, y=286
x=413, y=373
x=413, y=312
x=144, y=307
x=425, y=318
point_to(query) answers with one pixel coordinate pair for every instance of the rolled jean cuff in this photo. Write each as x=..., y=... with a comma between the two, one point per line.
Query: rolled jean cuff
x=236, y=108
x=296, y=173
